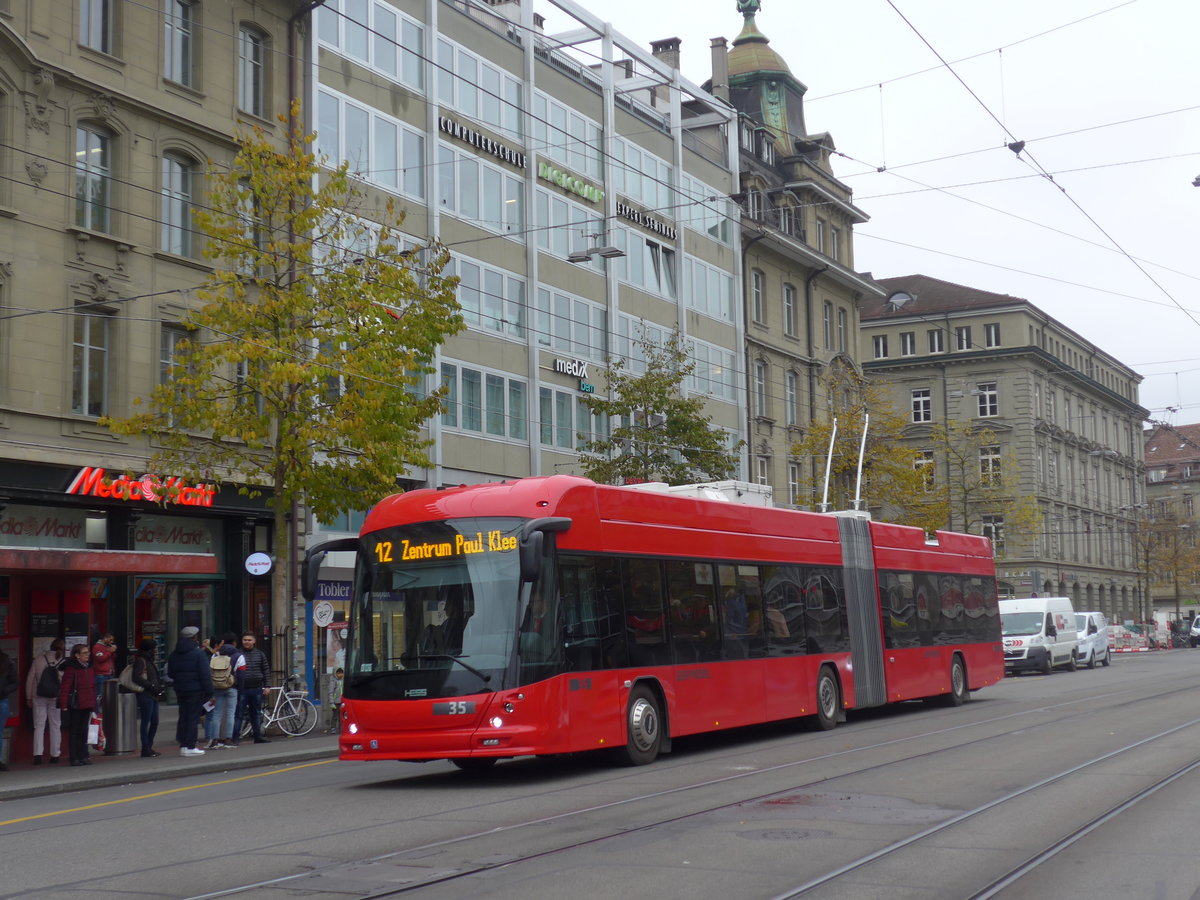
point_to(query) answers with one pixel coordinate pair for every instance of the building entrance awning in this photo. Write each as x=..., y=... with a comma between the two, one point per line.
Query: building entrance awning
x=106, y=562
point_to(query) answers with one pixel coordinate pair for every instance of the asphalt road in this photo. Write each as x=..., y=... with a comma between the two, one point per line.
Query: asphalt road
x=759, y=812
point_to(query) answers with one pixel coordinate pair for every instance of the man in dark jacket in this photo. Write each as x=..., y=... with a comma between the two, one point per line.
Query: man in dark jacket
x=192, y=680
x=251, y=681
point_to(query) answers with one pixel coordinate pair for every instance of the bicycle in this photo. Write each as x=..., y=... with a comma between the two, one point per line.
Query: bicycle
x=292, y=711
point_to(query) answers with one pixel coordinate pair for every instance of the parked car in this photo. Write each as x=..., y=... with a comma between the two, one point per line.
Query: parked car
x=1093, y=639
x=1194, y=632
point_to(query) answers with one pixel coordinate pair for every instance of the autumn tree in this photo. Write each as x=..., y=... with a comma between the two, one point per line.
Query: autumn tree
x=894, y=482
x=656, y=432
x=302, y=372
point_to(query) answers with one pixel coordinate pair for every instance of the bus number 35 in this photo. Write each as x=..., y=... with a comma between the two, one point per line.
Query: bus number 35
x=454, y=708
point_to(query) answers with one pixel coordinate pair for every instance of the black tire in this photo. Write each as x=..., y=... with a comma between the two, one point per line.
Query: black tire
x=475, y=763
x=829, y=700
x=643, y=724
x=1048, y=665
x=298, y=717
x=1091, y=663
x=1073, y=664
x=959, y=693
x=1107, y=656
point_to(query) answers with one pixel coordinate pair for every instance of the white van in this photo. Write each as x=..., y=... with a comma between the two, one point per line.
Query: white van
x=1092, y=632
x=1039, y=634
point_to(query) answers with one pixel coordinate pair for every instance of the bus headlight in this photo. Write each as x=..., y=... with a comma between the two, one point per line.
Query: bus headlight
x=353, y=728
x=497, y=722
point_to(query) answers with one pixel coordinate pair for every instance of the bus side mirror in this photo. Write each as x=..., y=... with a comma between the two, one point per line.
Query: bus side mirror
x=533, y=539
x=313, y=558
x=531, y=555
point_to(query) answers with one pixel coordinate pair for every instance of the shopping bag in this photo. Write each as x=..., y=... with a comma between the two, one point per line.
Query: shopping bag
x=96, y=731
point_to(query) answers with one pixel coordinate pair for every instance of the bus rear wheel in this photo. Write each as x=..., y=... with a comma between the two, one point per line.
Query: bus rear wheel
x=829, y=700
x=643, y=723
x=959, y=693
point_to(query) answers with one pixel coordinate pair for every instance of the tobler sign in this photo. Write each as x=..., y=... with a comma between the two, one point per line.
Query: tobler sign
x=92, y=482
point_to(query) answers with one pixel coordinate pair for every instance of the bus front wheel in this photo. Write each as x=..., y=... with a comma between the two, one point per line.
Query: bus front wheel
x=829, y=700
x=644, y=727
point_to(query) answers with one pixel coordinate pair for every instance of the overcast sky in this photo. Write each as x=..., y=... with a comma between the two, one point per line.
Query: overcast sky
x=1106, y=96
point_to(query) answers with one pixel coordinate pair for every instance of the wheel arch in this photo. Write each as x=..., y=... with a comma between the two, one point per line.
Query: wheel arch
x=652, y=684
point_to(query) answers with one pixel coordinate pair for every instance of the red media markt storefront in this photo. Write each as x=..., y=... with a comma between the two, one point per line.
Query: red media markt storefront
x=85, y=551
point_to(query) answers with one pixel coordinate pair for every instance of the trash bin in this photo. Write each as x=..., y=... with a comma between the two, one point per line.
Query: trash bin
x=120, y=719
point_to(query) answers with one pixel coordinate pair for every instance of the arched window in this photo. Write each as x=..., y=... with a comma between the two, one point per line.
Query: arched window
x=178, y=185
x=93, y=177
x=252, y=48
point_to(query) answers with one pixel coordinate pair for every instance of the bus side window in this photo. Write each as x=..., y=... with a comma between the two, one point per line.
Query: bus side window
x=589, y=591
x=644, y=617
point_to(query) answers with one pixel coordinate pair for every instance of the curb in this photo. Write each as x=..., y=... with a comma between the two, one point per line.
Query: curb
x=163, y=768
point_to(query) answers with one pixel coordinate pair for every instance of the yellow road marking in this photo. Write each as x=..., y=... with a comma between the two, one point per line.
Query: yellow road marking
x=195, y=787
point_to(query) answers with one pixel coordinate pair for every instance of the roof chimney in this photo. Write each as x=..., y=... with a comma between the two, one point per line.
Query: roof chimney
x=720, y=69
x=667, y=50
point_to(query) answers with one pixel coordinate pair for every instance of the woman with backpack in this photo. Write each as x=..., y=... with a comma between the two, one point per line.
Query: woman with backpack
x=224, y=665
x=41, y=693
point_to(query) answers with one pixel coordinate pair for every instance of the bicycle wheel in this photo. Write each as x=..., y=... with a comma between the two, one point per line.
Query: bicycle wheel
x=297, y=717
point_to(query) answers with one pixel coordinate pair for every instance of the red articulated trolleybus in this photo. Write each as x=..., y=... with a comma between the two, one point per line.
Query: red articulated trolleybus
x=554, y=615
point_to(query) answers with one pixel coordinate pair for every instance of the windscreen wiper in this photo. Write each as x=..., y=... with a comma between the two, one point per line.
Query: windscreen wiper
x=484, y=676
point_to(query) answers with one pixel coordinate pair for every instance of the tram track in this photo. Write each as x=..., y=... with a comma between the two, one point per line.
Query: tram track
x=468, y=865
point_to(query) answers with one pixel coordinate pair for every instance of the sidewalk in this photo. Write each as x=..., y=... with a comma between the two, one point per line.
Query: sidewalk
x=23, y=779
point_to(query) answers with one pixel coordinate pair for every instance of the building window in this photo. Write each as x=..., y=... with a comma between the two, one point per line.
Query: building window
x=991, y=334
x=794, y=484
x=828, y=322
x=835, y=243
x=178, y=175
x=789, y=310
x=178, y=32
x=923, y=465
x=566, y=419
x=483, y=402
x=962, y=335
x=791, y=398
x=757, y=298
x=93, y=178
x=172, y=336
x=989, y=399
x=881, y=348
x=252, y=71
x=922, y=406
x=821, y=235
x=989, y=466
x=89, y=371
x=95, y=24
x=908, y=343
x=754, y=204
x=760, y=388
x=787, y=220
x=841, y=331
x=993, y=528
x=936, y=341
x=762, y=469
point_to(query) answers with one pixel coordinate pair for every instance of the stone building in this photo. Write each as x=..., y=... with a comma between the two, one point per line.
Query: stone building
x=1067, y=410
x=109, y=115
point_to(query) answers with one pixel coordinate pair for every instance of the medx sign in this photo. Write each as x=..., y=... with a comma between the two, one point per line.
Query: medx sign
x=575, y=367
